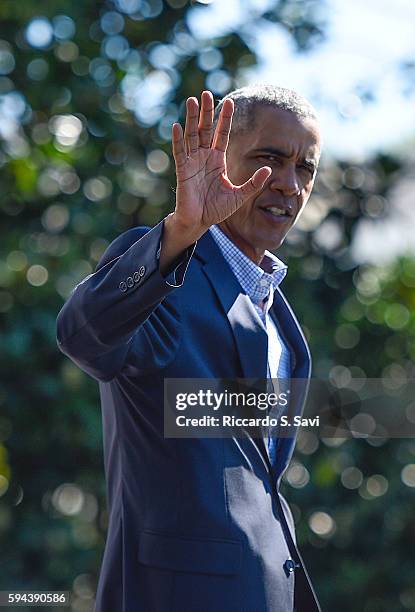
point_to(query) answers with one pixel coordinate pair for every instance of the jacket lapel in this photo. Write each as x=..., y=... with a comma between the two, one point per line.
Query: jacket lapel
x=248, y=331
x=292, y=333
x=252, y=341
x=247, y=328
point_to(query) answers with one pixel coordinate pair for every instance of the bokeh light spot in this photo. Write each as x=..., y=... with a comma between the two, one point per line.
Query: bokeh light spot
x=218, y=81
x=83, y=586
x=322, y=524
x=307, y=442
x=97, y=188
x=67, y=129
x=37, y=69
x=347, y=336
x=67, y=51
x=351, y=478
x=16, y=260
x=329, y=235
x=397, y=316
x=39, y=32
x=157, y=161
x=63, y=27
x=116, y=47
x=408, y=475
x=353, y=177
x=210, y=59
x=68, y=499
x=37, y=275
x=7, y=61
x=297, y=475
x=377, y=485
x=55, y=218
x=112, y=22
x=162, y=56
x=129, y=6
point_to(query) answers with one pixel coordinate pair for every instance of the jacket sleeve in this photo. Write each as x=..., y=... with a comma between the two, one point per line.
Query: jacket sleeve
x=96, y=325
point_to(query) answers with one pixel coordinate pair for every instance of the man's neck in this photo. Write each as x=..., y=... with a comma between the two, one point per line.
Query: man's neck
x=256, y=255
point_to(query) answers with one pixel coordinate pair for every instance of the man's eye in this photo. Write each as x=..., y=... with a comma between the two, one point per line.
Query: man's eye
x=269, y=157
x=307, y=168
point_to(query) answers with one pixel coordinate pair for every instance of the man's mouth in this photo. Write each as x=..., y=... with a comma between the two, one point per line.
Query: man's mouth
x=277, y=212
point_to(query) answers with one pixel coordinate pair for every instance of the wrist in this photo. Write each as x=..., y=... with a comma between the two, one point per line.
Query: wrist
x=184, y=233
x=176, y=239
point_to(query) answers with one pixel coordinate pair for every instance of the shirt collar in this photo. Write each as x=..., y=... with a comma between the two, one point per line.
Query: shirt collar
x=254, y=280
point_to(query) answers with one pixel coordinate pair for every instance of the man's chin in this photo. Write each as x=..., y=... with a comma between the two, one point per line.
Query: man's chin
x=275, y=243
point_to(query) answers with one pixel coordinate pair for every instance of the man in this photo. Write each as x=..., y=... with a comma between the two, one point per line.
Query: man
x=198, y=525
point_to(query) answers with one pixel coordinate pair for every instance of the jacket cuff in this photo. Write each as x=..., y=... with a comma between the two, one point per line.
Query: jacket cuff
x=174, y=277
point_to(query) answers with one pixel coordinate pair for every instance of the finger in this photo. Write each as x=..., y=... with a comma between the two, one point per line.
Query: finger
x=179, y=152
x=256, y=182
x=206, y=120
x=191, y=132
x=223, y=129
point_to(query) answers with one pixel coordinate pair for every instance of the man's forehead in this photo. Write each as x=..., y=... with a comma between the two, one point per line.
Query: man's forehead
x=282, y=130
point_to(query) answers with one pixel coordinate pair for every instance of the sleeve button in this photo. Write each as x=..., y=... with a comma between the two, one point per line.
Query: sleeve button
x=142, y=270
x=123, y=286
x=130, y=281
x=136, y=277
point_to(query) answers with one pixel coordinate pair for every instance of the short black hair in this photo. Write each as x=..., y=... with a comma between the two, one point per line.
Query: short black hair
x=247, y=98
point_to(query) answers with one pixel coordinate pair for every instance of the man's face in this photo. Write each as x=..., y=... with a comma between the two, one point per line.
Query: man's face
x=290, y=146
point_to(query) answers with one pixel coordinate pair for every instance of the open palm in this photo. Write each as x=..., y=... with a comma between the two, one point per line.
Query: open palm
x=204, y=193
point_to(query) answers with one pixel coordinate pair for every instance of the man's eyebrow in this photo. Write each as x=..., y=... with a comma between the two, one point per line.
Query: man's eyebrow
x=280, y=153
x=272, y=151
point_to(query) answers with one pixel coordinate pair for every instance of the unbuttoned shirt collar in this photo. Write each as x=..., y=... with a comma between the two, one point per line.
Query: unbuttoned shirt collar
x=256, y=281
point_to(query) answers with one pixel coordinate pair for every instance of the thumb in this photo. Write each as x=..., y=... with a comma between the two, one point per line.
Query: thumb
x=256, y=182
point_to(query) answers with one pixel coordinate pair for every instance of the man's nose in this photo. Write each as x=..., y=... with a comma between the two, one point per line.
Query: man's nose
x=285, y=180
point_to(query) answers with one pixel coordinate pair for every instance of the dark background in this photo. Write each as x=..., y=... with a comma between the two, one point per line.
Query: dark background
x=79, y=165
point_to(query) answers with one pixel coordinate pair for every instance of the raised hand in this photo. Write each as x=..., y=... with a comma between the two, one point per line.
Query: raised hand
x=204, y=194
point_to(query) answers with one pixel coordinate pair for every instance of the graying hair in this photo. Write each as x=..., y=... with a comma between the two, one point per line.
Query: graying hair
x=247, y=98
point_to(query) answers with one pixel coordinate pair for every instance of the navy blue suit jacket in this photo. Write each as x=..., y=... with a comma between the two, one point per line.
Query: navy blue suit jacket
x=195, y=525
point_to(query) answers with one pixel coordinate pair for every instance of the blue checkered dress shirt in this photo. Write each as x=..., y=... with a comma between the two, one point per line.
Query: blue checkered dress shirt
x=259, y=285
